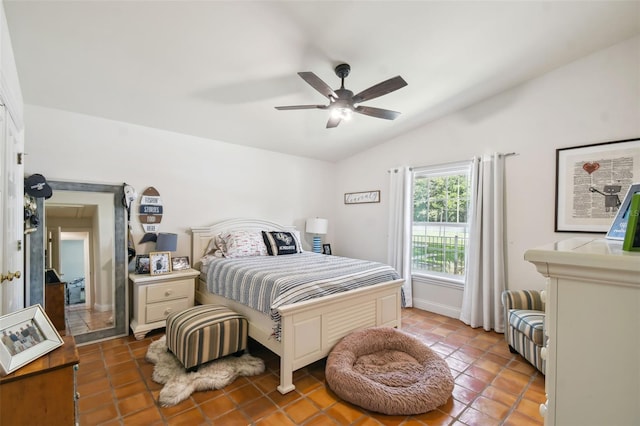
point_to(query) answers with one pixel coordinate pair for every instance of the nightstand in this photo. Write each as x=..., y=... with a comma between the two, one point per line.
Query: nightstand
x=154, y=297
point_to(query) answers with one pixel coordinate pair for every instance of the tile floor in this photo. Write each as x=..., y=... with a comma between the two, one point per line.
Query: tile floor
x=492, y=386
x=80, y=320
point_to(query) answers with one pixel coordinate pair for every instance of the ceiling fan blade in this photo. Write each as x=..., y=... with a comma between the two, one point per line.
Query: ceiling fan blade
x=318, y=84
x=281, y=108
x=377, y=112
x=333, y=122
x=380, y=89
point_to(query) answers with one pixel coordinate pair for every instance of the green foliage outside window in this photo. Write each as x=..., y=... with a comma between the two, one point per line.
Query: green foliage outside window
x=440, y=231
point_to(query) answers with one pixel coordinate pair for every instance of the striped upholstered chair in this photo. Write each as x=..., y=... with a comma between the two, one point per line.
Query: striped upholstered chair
x=524, y=315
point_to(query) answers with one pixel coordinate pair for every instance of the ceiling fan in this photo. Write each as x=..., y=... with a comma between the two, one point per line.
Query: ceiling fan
x=343, y=103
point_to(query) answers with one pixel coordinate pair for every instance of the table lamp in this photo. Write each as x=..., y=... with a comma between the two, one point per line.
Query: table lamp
x=317, y=226
x=167, y=242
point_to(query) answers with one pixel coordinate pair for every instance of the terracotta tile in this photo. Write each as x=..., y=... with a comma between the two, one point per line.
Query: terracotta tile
x=189, y=417
x=277, y=418
x=500, y=396
x=434, y=418
x=95, y=386
x=491, y=408
x=145, y=417
x=301, y=410
x=259, y=408
x=282, y=400
x=344, y=413
x=480, y=374
x=180, y=407
x=529, y=408
x=129, y=389
x=135, y=403
x=244, y=394
x=216, y=407
x=387, y=420
x=125, y=377
x=368, y=421
x=473, y=417
x=471, y=383
x=306, y=384
x=99, y=415
x=518, y=419
x=91, y=402
x=323, y=397
x=463, y=394
x=453, y=407
x=322, y=420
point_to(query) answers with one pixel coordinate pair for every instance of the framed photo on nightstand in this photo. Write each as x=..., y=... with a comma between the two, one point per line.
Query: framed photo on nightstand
x=160, y=262
x=326, y=249
x=142, y=264
x=180, y=263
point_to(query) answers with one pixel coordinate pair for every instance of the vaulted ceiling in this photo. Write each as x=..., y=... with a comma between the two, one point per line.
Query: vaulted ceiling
x=217, y=69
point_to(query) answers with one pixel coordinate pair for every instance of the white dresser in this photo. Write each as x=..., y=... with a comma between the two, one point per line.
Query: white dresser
x=593, y=328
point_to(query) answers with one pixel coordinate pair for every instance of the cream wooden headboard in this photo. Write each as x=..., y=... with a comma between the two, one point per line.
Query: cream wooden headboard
x=201, y=236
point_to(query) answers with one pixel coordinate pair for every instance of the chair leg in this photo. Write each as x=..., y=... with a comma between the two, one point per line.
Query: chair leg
x=513, y=351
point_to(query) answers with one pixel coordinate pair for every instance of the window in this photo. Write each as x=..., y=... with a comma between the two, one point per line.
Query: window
x=440, y=227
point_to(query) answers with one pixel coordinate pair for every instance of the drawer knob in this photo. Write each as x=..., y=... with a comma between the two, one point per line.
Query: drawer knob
x=168, y=292
x=543, y=353
x=168, y=311
x=543, y=409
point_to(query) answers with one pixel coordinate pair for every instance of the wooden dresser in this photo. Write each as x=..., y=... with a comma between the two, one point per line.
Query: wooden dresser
x=42, y=392
x=593, y=327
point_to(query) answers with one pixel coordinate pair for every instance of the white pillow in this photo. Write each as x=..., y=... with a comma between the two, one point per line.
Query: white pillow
x=243, y=244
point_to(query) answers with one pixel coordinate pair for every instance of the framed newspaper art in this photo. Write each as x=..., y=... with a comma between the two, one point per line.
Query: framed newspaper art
x=591, y=181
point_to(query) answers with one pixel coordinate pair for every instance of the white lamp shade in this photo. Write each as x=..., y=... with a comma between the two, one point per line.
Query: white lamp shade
x=167, y=242
x=317, y=225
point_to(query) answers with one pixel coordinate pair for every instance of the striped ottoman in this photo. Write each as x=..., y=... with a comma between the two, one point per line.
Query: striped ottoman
x=206, y=332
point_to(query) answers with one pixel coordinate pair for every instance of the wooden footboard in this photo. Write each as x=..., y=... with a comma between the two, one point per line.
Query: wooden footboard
x=311, y=328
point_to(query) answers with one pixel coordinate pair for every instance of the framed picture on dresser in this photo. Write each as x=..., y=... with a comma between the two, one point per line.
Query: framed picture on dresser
x=26, y=335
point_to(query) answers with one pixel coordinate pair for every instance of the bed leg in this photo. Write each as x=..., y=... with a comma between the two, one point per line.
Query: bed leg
x=286, y=376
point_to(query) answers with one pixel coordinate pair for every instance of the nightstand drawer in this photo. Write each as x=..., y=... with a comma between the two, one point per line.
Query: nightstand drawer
x=173, y=290
x=160, y=311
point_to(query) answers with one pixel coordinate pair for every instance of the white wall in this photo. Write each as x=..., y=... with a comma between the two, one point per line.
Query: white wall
x=595, y=99
x=200, y=181
x=592, y=100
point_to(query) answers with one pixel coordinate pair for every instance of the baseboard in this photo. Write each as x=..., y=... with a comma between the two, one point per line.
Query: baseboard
x=102, y=308
x=438, y=308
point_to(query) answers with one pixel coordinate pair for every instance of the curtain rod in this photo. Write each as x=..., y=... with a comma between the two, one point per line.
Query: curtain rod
x=507, y=154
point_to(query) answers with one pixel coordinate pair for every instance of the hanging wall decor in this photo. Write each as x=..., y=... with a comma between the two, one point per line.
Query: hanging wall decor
x=150, y=213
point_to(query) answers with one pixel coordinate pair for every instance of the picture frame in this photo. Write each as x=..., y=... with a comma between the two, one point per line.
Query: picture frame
x=159, y=262
x=180, y=263
x=27, y=334
x=589, y=182
x=618, y=228
x=326, y=249
x=363, y=197
x=632, y=234
x=142, y=264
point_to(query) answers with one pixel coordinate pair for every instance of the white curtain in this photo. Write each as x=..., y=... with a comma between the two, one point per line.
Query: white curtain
x=399, y=248
x=485, y=278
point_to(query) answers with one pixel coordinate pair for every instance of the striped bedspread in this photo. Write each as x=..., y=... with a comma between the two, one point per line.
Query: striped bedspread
x=267, y=282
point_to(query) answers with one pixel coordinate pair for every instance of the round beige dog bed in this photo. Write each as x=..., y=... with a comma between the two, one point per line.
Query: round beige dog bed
x=385, y=370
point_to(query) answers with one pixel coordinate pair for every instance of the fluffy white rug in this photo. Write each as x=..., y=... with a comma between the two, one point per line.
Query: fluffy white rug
x=179, y=385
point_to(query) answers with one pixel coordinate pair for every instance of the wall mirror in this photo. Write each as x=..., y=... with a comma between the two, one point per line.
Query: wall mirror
x=83, y=234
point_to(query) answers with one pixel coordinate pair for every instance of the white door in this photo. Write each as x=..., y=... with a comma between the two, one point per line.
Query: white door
x=11, y=216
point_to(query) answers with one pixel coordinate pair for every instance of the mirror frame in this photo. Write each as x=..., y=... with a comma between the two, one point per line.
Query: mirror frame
x=37, y=267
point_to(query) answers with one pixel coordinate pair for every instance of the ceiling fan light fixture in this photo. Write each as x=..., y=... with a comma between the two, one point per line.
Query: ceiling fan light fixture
x=343, y=114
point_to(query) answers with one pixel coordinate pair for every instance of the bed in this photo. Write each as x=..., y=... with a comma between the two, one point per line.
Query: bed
x=308, y=329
